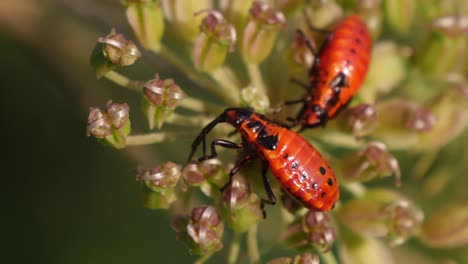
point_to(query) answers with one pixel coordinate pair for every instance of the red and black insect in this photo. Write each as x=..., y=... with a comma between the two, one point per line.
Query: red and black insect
x=338, y=72
x=296, y=164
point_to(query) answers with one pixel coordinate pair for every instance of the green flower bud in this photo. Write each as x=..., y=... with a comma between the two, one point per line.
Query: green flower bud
x=313, y=231
x=299, y=56
x=111, y=52
x=357, y=250
x=399, y=14
x=446, y=44
x=240, y=207
x=111, y=127
x=290, y=7
x=209, y=174
x=261, y=32
x=386, y=57
x=180, y=15
x=449, y=107
x=236, y=11
x=147, y=21
x=321, y=14
x=251, y=96
x=201, y=232
x=159, y=183
x=217, y=38
x=360, y=120
x=161, y=98
x=382, y=213
x=447, y=227
x=402, y=123
x=373, y=160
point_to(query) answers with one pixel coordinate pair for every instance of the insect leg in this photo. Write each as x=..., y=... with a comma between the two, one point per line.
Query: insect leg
x=271, y=196
x=223, y=143
x=201, y=138
x=239, y=164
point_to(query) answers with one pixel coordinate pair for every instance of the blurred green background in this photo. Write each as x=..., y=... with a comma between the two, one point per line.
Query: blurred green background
x=68, y=199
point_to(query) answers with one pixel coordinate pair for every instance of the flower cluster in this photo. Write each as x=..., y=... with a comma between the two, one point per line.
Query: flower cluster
x=408, y=120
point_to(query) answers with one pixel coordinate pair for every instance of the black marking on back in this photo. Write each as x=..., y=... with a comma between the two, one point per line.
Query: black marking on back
x=353, y=50
x=304, y=175
x=255, y=125
x=266, y=140
x=330, y=182
x=322, y=170
x=294, y=165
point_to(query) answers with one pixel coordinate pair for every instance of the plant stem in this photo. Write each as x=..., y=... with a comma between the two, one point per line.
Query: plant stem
x=203, y=259
x=252, y=246
x=234, y=249
x=196, y=76
x=196, y=121
x=256, y=79
x=150, y=138
x=329, y=258
x=123, y=81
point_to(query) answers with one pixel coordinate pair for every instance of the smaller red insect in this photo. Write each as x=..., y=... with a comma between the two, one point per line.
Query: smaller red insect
x=297, y=165
x=338, y=72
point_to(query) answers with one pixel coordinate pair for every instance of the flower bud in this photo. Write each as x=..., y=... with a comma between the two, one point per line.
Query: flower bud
x=447, y=227
x=201, y=232
x=386, y=57
x=314, y=230
x=402, y=123
x=161, y=178
x=161, y=97
x=261, y=32
x=299, y=56
x=252, y=97
x=290, y=7
x=209, y=174
x=359, y=250
x=321, y=15
x=180, y=14
x=360, y=120
x=306, y=258
x=373, y=160
x=113, y=51
x=399, y=14
x=443, y=48
x=371, y=13
x=147, y=21
x=159, y=183
x=240, y=207
x=382, y=213
x=236, y=11
x=111, y=127
x=217, y=37
x=449, y=108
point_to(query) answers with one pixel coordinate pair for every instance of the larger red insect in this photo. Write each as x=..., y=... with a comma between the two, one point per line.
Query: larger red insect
x=296, y=164
x=338, y=72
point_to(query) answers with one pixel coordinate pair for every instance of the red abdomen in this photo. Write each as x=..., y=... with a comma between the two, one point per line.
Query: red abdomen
x=303, y=172
x=338, y=72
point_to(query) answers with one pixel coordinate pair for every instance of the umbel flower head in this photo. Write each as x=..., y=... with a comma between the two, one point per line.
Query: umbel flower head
x=408, y=119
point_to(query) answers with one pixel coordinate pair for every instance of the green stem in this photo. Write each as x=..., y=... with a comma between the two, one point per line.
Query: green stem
x=196, y=76
x=231, y=86
x=252, y=246
x=183, y=120
x=256, y=79
x=123, y=81
x=203, y=259
x=234, y=249
x=329, y=258
x=150, y=138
